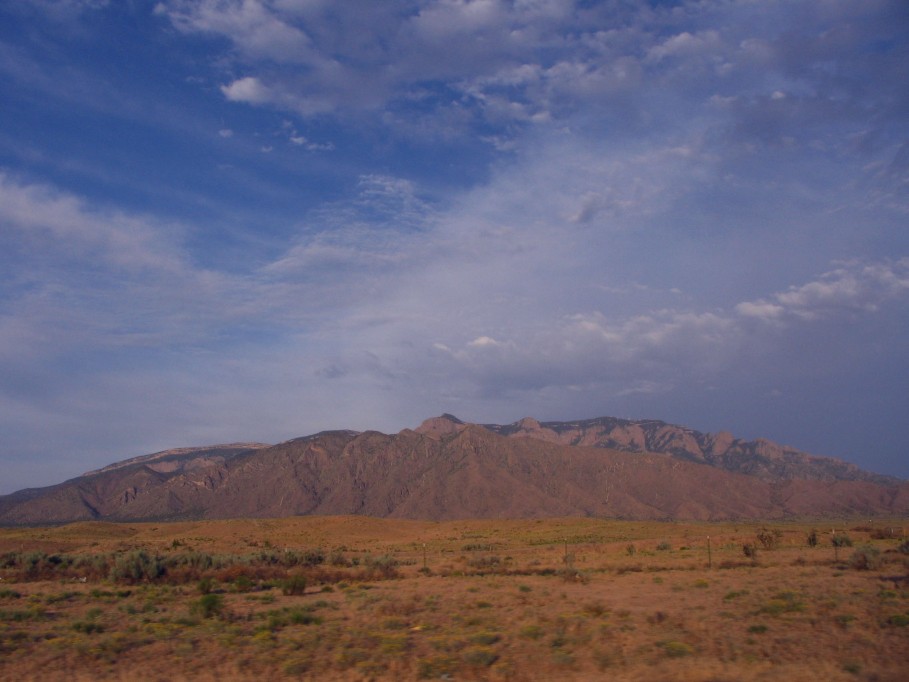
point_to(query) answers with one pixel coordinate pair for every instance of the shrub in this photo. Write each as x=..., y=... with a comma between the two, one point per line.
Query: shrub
x=208, y=606
x=137, y=567
x=337, y=558
x=841, y=540
x=88, y=627
x=480, y=656
x=294, y=585
x=573, y=575
x=750, y=551
x=664, y=546
x=477, y=547
x=441, y=666
x=866, y=559
x=631, y=550
x=531, y=631
x=313, y=557
x=904, y=547
x=385, y=566
x=486, y=562
x=769, y=539
x=812, y=538
x=843, y=619
x=677, y=649
x=784, y=602
x=899, y=620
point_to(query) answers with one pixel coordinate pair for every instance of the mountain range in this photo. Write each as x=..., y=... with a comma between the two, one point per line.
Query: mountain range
x=449, y=469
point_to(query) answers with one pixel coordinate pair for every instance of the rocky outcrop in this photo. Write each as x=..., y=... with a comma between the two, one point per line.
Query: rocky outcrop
x=761, y=458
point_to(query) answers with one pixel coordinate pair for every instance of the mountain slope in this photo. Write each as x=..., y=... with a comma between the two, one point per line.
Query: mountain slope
x=445, y=469
x=762, y=458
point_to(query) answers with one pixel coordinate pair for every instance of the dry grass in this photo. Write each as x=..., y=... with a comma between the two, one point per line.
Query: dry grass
x=470, y=600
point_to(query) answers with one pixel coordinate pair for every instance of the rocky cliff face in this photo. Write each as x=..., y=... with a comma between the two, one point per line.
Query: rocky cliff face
x=761, y=458
x=447, y=469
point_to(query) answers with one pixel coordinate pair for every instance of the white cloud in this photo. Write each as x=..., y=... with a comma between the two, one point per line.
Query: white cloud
x=248, y=89
x=255, y=30
x=760, y=309
x=685, y=44
x=64, y=224
x=482, y=342
x=851, y=289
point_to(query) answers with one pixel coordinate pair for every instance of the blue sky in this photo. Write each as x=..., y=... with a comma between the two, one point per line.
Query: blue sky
x=230, y=220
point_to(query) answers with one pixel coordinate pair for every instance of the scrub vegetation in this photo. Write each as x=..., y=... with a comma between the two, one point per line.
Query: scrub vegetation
x=361, y=598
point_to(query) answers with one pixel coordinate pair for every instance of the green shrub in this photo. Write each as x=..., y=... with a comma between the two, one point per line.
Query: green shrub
x=677, y=649
x=485, y=638
x=841, y=540
x=208, y=606
x=441, y=666
x=573, y=575
x=137, y=567
x=866, y=559
x=486, y=562
x=843, y=619
x=294, y=585
x=784, y=602
x=664, y=546
x=243, y=583
x=477, y=547
x=899, y=620
x=88, y=627
x=337, y=558
x=480, y=656
x=531, y=631
x=769, y=539
x=385, y=566
x=313, y=557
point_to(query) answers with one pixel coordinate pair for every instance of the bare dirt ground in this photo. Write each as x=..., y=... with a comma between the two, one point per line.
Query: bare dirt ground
x=352, y=598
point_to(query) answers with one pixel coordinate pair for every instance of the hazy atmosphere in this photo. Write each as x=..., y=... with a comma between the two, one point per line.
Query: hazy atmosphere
x=232, y=220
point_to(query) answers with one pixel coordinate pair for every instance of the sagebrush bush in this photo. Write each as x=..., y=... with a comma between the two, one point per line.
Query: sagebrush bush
x=485, y=562
x=841, y=540
x=294, y=585
x=208, y=606
x=385, y=565
x=769, y=539
x=866, y=559
x=137, y=567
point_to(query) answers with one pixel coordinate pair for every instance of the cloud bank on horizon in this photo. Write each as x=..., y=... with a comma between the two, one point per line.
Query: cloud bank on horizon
x=255, y=219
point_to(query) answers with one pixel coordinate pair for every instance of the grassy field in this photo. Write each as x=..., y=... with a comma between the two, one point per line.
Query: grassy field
x=338, y=598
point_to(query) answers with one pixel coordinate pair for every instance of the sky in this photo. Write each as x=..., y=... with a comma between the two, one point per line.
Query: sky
x=253, y=220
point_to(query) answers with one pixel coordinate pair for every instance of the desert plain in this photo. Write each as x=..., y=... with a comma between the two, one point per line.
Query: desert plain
x=358, y=598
